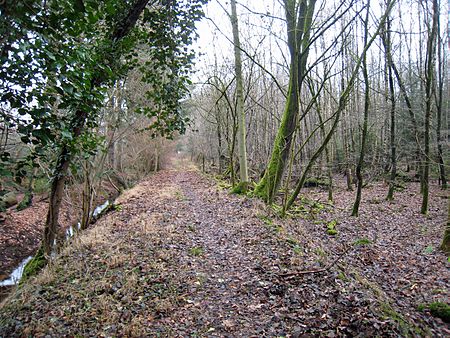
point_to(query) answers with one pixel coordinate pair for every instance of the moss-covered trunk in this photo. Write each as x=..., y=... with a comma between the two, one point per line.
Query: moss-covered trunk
x=271, y=180
x=299, y=21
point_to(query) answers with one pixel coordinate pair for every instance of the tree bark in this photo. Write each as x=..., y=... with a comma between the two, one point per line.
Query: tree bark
x=77, y=126
x=440, y=83
x=342, y=104
x=429, y=90
x=243, y=170
x=299, y=23
x=359, y=166
x=386, y=39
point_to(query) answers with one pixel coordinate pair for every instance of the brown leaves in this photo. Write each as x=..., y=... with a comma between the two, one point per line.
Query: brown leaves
x=139, y=275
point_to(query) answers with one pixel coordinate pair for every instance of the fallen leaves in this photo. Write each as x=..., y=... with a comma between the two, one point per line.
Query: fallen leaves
x=181, y=258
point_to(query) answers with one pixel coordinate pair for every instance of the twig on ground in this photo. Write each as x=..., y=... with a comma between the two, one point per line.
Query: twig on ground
x=306, y=272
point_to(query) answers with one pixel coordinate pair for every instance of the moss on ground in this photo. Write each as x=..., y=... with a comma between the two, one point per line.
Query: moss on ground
x=36, y=264
x=362, y=242
x=440, y=310
x=241, y=188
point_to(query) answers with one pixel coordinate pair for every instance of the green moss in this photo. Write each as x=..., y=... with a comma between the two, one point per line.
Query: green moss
x=313, y=182
x=8, y=200
x=41, y=185
x=404, y=325
x=297, y=210
x=341, y=275
x=36, y=264
x=267, y=186
x=317, y=207
x=26, y=201
x=241, y=188
x=319, y=251
x=440, y=310
x=297, y=249
x=270, y=224
x=196, y=251
x=362, y=241
x=421, y=307
x=116, y=207
x=331, y=228
x=291, y=240
x=428, y=250
x=261, y=191
x=331, y=225
x=266, y=219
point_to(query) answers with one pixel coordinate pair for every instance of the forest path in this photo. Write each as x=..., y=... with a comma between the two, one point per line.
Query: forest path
x=219, y=245
x=178, y=257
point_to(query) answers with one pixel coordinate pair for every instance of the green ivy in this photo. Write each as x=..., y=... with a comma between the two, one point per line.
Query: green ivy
x=60, y=57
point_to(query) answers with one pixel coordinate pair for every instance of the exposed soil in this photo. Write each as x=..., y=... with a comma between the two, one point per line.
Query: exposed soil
x=20, y=234
x=181, y=257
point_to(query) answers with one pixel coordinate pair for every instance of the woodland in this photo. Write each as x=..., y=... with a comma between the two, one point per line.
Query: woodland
x=224, y=168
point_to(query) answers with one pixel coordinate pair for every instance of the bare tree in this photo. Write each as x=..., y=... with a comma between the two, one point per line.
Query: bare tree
x=243, y=171
x=429, y=95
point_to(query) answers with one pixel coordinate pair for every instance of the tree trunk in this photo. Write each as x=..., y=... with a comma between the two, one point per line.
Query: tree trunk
x=439, y=98
x=342, y=104
x=77, y=126
x=429, y=90
x=298, y=32
x=87, y=197
x=57, y=186
x=243, y=171
x=386, y=38
x=359, y=166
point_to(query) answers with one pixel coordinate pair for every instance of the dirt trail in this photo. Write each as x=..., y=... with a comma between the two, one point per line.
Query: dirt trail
x=181, y=258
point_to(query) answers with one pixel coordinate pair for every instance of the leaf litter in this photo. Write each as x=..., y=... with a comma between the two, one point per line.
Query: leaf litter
x=181, y=257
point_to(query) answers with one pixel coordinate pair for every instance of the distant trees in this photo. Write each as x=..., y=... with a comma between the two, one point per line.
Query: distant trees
x=305, y=100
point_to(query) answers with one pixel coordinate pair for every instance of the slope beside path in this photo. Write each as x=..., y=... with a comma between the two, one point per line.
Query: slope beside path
x=179, y=257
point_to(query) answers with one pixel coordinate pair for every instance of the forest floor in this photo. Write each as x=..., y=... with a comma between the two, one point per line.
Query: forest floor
x=179, y=256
